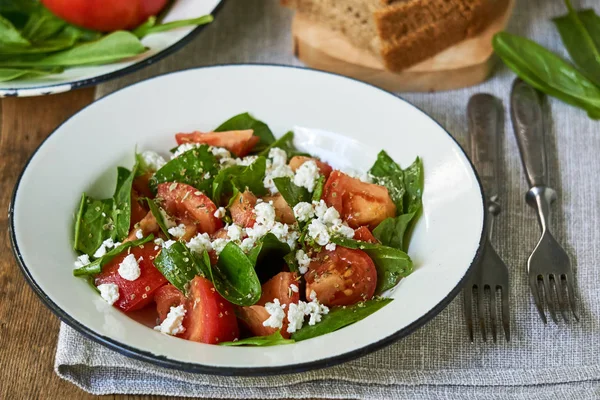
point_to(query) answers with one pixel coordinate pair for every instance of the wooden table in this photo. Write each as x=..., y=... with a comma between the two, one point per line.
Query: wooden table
x=28, y=330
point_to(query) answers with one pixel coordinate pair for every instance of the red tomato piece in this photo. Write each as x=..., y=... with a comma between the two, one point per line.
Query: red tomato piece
x=254, y=316
x=165, y=297
x=138, y=211
x=209, y=317
x=189, y=206
x=105, y=15
x=134, y=295
x=341, y=277
x=141, y=184
x=242, y=209
x=147, y=225
x=364, y=234
x=283, y=212
x=297, y=161
x=239, y=143
x=279, y=287
x=359, y=203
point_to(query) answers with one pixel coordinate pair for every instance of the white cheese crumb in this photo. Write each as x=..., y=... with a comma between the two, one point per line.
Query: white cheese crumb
x=219, y=244
x=330, y=246
x=234, y=232
x=278, y=171
x=247, y=244
x=294, y=288
x=307, y=175
x=109, y=292
x=183, y=148
x=220, y=213
x=320, y=208
x=200, y=243
x=343, y=230
x=362, y=176
x=246, y=161
x=312, y=295
x=220, y=152
x=107, y=244
x=297, y=312
x=168, y=243
x=139, y=234
x=265, y=214
x=303, y=211
x=303, y=261
x=277, y=314
x=278, y=156
x=177, y=231
x=295, y=316
x=318, y=231
x=315, y=310
x=172, y=325
x=153, y=160
x=167, y=219
x=332, y=216
x=129, y=268
x=82, y=261
x=206, y=175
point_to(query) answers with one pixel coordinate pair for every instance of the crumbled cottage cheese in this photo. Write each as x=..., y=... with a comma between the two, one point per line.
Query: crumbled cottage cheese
x=362, y=176
x=317, y=230
x=296, y=313
x=139, y=234
x=276, y=168
x=153, y=160
x=307, y=175
x=303, y=261
x=327, y=224
x=82, y=261
x=177, y=231
x=129, y=268
x=172, y=325
x=330, y=246
x=167, y=219
x=278, y=156
x=220, y=152
x=219, y=244
x=104, y=247
x=234, y=232
x=168, y=243
x=183, y=148
x=220, y=213
x=109, y=292
x=276, y=314
x=303, y=211
x=294, y=288
x=200, y=243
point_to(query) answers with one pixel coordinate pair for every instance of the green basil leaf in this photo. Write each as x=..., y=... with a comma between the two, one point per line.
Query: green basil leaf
x=189, y=168
x=390, y=232
x=94, y=224
x=179, y=265
x=387, y=173
x=238, y=178
x=339, y=317
x=580, y=43
x=271, y=340
x=205, y=19
x=155, y=209
x=95, y=267
x=392, y=264
x=234, y=277
x=246, y=121
x=267, y=256
x=318, y=192
x=122, y=202
x=547, y=72
x=291, y=193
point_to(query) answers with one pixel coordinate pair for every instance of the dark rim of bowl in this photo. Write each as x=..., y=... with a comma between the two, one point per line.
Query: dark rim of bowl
x=163, y=361
x=47, y=89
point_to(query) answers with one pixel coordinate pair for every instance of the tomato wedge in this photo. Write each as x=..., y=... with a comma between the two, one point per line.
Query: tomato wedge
x=189, y=206
x=239, y=143
x=341, y=277
x=283, y=212
x=364, y=234
x=134, y=295
x=254, y=316
x=209, y=317
x=242, y=209
x=138, y=211
x=165, y=297
x=359, y=203
x=297, y=161
x=279, y=287
x=141, y=184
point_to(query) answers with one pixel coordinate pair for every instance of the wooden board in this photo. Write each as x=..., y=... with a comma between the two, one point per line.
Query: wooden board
x=465, y=64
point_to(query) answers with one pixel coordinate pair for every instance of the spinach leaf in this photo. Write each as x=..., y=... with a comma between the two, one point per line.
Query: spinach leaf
x=143, y=29
x=246, y=121
x=271, y=340
x=155, y=209
x=547, y=72
x=577, y=38
x=234, y=277
x=290, y=260
x=94, y=224
x=387, y=173
x=291, y=193
x=179, y=265
x=223, y=188
x=390, y=232
x=238, y=178
x=267, y=256
x=318, y=192
x=413, y=183
x=340, y=317
x=9, y=74
x=95, y=267
x=41, y=25
x=206, y=19
x=122, y=202
x=286, y=142
x=189, y=168
x=392, y=264
x=10, y=37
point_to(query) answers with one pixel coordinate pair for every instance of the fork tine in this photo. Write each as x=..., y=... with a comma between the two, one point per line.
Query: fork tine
x=493, y=311
x=549, y=295
x=560, y=289
x=505, y=312
x=481, y=311
x=468, y=310
x=571, y=295
x=535, y=291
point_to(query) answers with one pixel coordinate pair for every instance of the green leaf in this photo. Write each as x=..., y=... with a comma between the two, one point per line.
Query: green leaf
x=387, y=173
x=390, y=232
x=234, y=277
x=392, y=264
x=190, y=168
x=155, y=209
x=290, y=260
x=237, y=178
x=95, y=267
x=122, y=202
x=179, y=265
x=41, y=25
x=144, y=28
x=581, y=45
x=205, y=19
x=340, y=317
x=271, y=340
x=547, y=72
x=291, y=193
x=246, y=121
x=318, y=192
x=9, y=74
x=10, y=37
x=285, y=142
x=413, y=182
x=94, y=224
x=267, y=256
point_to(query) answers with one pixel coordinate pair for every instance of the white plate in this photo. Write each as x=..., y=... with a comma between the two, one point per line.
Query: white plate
x=345, y=121
x=160, y=45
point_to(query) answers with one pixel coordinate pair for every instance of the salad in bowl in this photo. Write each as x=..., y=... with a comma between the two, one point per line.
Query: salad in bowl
x=237, y=238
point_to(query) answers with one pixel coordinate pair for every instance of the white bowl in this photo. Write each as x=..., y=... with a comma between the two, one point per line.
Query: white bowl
x=160, y=45
x=345, y=121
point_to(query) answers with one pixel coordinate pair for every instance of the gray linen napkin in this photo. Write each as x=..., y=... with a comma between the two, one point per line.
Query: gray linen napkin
x=541, y=362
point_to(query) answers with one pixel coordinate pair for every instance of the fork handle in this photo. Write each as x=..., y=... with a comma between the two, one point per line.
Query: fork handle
x=527, y=119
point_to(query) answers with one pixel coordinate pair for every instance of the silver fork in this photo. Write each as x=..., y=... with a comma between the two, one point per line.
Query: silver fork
x=485, y=116
x=548, y=266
